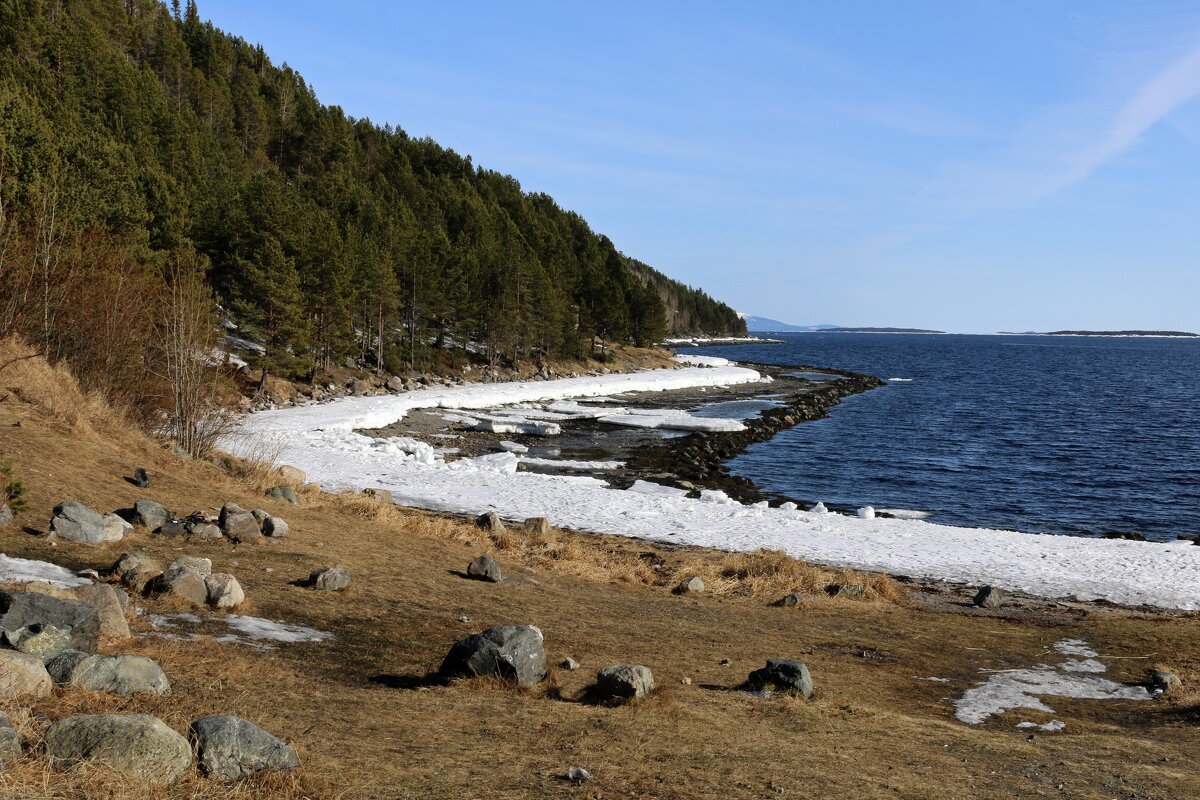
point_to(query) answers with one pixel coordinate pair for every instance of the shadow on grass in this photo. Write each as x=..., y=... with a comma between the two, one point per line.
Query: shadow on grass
x=410, y=682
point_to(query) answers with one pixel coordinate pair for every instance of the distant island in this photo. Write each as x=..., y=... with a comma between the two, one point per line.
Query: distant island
x=1174, y=334
x=880, y=330
x=766, y=325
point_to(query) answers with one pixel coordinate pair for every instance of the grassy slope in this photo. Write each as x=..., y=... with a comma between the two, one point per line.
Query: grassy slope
x=365, y=726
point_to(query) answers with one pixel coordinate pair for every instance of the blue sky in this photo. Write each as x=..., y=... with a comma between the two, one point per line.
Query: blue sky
x=1019, y=165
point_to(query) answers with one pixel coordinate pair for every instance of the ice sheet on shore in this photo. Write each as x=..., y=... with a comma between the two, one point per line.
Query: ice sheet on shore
x=320, y=441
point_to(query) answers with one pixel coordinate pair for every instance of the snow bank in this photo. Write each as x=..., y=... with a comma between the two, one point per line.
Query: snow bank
x=22, y=570
x=320, y=441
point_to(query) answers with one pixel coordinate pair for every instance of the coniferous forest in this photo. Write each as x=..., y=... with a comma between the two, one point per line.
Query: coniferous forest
x=140, y=145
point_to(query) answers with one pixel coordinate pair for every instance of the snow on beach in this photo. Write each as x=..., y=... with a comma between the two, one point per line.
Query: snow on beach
x=320, y=439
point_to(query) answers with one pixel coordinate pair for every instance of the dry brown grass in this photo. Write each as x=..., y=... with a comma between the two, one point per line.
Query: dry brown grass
x=367, y=723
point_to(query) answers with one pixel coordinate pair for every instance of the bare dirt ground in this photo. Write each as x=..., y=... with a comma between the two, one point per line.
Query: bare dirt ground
x=368, y=722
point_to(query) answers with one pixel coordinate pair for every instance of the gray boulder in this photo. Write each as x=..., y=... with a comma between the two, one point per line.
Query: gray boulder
x=623, y=682
x=845, y=589
x=42, y=641
x=490, y=521
x=10, y=741
x=75, y=522
x=537, y=525
x=395, y=384
x=6, y=515
x=22, y=675
x=183, y=582
x=692, y=584
x=135, y=570
x=125, y=675
x=201, y=566
x=485, y=568
x=331, y=579
x=990, y=597
x=1163, y=680
x=107, y=602
x=22, y=611
x=512, y=652
x=231, y=748
x=174, y=528
x=239, y=524
x=224, y=591
x=284, y=494
x=141, y=478
x=275, y=527
x=115, y=527
x=134, y=744
x=201, y=529
x=261, y=514
x=292, y=474
x=150, y=514
x=783, y=675
x=791, y=600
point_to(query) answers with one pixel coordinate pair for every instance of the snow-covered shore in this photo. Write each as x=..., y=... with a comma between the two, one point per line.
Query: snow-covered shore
x=321, y=440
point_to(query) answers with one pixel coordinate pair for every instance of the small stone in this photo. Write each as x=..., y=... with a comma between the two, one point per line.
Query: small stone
x=173, y=529
x=231, y=748
x=990, y=597
x=1163, y=680
x=382, y=495
x=686, y=681
x=285, y=494
x=623, y=682
x=135, y=744
x=275, y=527
x=725, y=662
x=332, y=579
x=692, y=584
x=784, y=675
x=790, y=600
x=490, y=522
x=578, y=774
x=569, y=664
x=485, y=568
x=141, y=478
x=844, y=589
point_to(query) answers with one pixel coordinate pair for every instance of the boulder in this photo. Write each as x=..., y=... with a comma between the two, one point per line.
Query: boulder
x=22, y=675
x=485, y=568
x=332, y=579
x=512, y=652
x=382, y=495
x=183, y=582
x=569, y=664
x=134, y=744
x=261, y=514
x=537, y=525
x=201, y=566
x=578, y=775
x=692, y=584
x=124, y=675
x=622, y=682
x=1163, y=680
x=75, y=522
x=791, y=600
x=784, y=675
x=150, y=514
x=135, y=570
x=395, y=384
x=292, y=474
x=239, y=524
x=21, y=612
x=10, y=741
x=224, y=591
x=275, y=527
x=107, y=602
x=201, y=529
x=490, y=521
x=174, y=528
x=39, y=640
x=115, y=527
x=844, y=589
x=231, y=748
x=6, y=515
x=141, y=478
x=990, y=597
x=284, y=494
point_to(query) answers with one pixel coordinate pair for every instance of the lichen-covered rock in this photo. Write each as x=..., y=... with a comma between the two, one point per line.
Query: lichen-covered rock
x=224, y=591
x=198, y=565
x=39, y=640
x=21, y=611
x=134, y=744
x=332, y=579
x=150, y=514
x=784, y=675
x=622, y=682
x=231, y=748
x=512, y=652
x=124, y=674
x=22, y=675
x=485, y=568
x=75, y=522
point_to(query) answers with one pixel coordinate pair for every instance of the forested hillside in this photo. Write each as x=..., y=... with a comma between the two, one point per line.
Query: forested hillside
x=140, y=145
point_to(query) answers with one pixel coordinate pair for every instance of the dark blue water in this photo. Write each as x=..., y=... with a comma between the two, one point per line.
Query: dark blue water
x=1058, y=435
